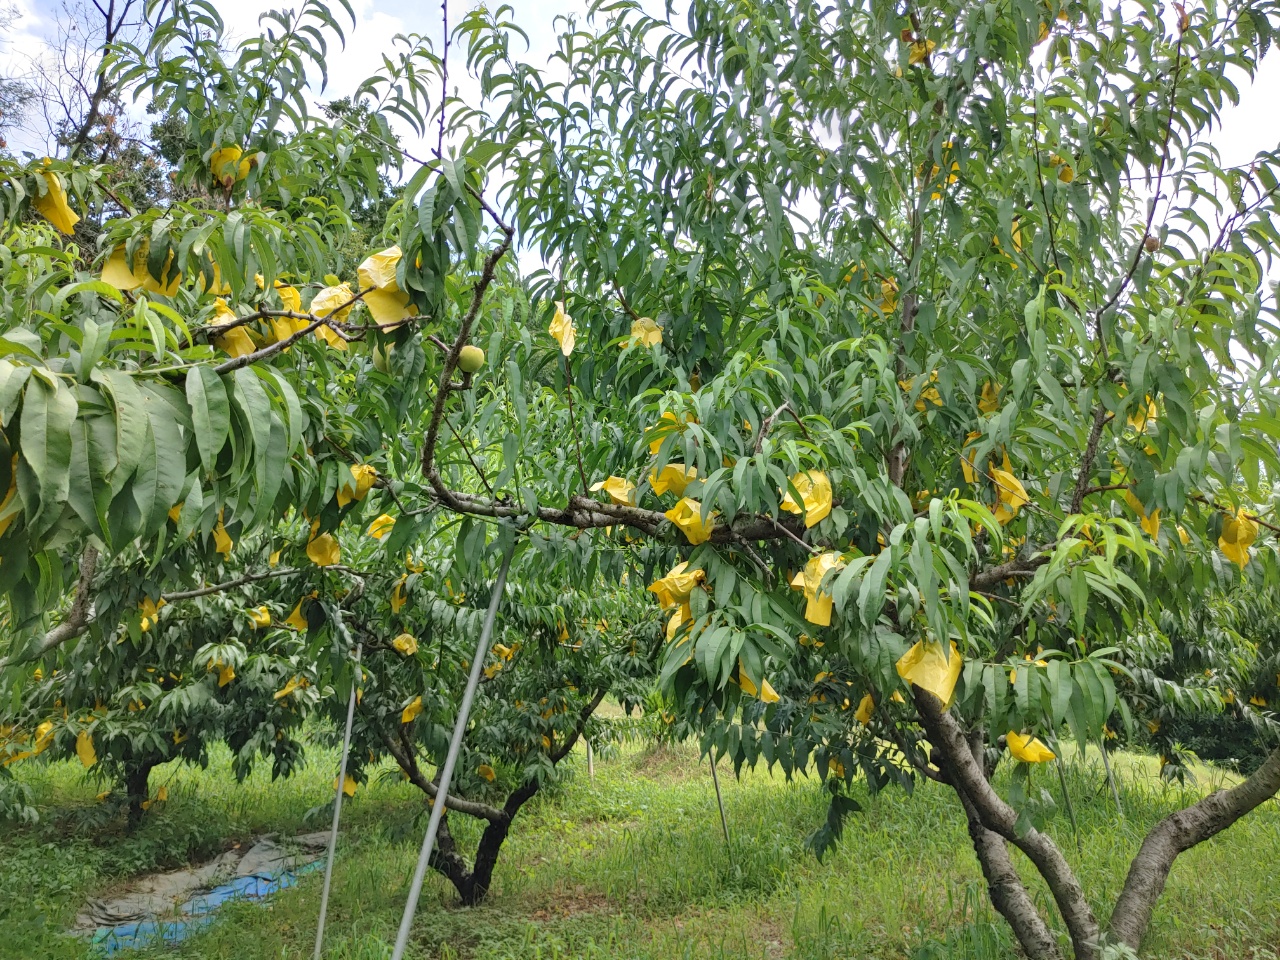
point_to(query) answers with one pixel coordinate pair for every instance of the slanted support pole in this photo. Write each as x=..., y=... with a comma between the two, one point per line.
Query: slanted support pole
x=446, y=772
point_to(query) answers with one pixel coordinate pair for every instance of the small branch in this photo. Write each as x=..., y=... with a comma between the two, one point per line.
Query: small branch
x=78, y=617
x=808, y=548
x=1107, y=488
x=444, y=74
x=235, y=363
x=465, y=449
x=768, y=422
x=623, y=300
x=583, y=716
x=429, y=466
x=228, y=585
x=1155, y=199
x=1227, y=510
x=1044, y=198
x=885, y=237
x=573, y=426
x=1100, y=419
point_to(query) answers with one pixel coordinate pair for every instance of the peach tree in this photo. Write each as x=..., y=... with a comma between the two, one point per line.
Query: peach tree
x=920, y=356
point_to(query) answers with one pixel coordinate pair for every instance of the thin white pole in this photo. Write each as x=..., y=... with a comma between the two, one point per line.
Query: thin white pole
x=446, y=772
x=591, y=762
x=337, y=801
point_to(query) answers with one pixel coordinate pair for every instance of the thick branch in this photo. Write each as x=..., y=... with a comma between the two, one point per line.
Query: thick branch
x=583, y=716
x=1007, y=891
x=991, y=576
x=228, y=585
x=969, y=778
x=235, y=363
x=1181, y=831
x=586, y=514
x=403, y=754
x=1090, y=454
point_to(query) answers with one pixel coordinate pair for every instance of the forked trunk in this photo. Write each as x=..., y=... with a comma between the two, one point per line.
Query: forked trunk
x=992, y=825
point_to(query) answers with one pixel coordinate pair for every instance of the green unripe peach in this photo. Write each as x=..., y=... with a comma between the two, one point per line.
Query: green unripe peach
x=471, y=359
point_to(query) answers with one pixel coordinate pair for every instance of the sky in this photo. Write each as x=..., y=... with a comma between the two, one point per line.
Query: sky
x=1251, y=126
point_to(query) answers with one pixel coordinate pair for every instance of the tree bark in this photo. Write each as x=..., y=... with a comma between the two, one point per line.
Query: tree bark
x=1008, y=893
x=472, y=884
x=969, y=778
x=1178, y=832
x=136, y=791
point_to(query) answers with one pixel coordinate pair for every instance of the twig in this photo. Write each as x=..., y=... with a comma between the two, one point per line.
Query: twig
x=1225, y=509
x=1044, y=199
x=811, y=549
x=444, y=74
x=768, y=422
x=228, y=585
x=451, y=362
x=235, y=363
x=78, y=617
x=885, y=237
x=1155, y=200
x=479, y=471
x=1106, y=488
x=1100, y=419
x=573, y=426
x=623, y=300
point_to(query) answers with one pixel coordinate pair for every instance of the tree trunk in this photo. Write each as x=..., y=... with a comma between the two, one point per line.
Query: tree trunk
x=1178, y=832
x=1005, y=888
x=136, y=787
x=969, y=778
x=1008, y=893
x=473, y=884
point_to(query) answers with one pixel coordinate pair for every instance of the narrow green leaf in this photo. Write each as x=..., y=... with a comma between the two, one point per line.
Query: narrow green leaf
x=210, y=413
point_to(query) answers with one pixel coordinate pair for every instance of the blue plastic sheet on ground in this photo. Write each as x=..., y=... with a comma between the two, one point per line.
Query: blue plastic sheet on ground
x=198, y=913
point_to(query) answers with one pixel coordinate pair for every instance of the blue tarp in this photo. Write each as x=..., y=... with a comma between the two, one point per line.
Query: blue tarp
x=198, y=912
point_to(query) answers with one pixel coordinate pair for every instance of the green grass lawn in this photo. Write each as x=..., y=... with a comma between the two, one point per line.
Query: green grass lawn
x=631, y=864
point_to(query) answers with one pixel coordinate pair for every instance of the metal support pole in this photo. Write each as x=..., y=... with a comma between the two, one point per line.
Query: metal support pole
x=337, y=800
x=715, y=779
x=446, y=772
x=591, y=762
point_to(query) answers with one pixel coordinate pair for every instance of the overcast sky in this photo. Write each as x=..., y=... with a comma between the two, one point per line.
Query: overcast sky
x=1248, y=128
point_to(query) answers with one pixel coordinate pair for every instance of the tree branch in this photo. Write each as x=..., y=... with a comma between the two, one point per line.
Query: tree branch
x=429, y=466
x=969, y=778
x=1155, y=201
x=78, y=617
x=583, y=716
x=1100, y=419
x=228, y=585
x=1181, y=831
x=407, y=762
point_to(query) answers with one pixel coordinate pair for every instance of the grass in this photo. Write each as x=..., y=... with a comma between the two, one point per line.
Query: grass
x=632, y=865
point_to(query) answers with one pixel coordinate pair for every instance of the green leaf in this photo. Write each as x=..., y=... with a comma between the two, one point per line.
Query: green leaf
x=210, y=413
x=255, y=407
x=131, y=425
x=871, y=596
x=163, y=466
x=93, y=458
x=47, y=415
x=13, y=378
